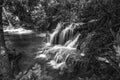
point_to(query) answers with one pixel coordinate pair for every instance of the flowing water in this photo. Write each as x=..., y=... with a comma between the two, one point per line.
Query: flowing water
x=59, y=46
x=63, y=35
x=62, y=43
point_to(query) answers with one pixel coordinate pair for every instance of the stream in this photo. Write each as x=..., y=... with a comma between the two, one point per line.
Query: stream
x=26, y=42
x=29, y=43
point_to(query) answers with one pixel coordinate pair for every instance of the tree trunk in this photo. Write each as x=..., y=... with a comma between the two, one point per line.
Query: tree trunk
x=4, y=62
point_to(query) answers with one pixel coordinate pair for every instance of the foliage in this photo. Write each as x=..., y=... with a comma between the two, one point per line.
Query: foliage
x=100, y=32
x=35, y=73
x=41, y=12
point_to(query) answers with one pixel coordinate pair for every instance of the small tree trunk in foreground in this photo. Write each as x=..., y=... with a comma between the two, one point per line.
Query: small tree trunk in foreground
x=4, y=62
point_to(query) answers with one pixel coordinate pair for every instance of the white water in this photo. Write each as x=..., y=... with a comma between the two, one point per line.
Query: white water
x=53, y=37
x=74, y=42
x=59, y=27
x=61, y=44
x=66, y=34
x=62, y=35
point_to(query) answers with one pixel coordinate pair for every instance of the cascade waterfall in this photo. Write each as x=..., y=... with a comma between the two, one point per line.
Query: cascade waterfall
x=62, y=43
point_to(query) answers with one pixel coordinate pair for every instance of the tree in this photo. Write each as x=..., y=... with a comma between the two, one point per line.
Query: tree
x=4, y=62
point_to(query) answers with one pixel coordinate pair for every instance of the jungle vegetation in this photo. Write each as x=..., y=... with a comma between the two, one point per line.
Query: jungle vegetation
x=97, y=22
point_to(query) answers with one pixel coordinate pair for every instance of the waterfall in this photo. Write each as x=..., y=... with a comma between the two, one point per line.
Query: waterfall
x=66, y=34
x=60, y=26
x=54, y=37
x=62, y=34
x=74, y=42
x=61, y=44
